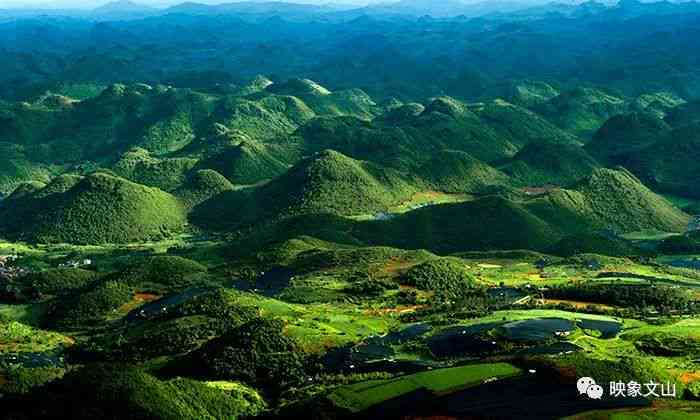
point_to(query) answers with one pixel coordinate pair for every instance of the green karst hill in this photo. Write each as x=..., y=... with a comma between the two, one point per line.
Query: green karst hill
x=202, y=185
x=610, y=199
x=626, y=133
x=99, y=208
x=593, y=243
x=245, y=163
x=129, y=392
x=139, y=166
x=549, y=163
x=453, y=171
x=520, y=125
x=484, y=224
x=447, y=277
x=327, y=182
x=582, y=110
x=670, y=164
x=298, y=87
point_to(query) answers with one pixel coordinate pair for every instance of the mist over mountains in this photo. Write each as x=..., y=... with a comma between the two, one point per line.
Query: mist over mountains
x=380, y=48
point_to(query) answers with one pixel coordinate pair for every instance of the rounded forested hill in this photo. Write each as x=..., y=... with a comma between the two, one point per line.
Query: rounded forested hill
x=126, y=392
x=609, y=199
x=549, y=163
x=593, y=243
x=162, y=271
x=17, y=168
x=246, y=163
x=486, y=224
x=139, y=166
x=449, y=123
x=671, y=164
x=582, y=111
x=521, y=126
x=327, y=182
x=626, y=133
x=298, y=87
x=99, y=208
x=258, y=353
x=447, y=277
x=262, y=118
x=458, y=172
x=531, y=93
x=201, y=186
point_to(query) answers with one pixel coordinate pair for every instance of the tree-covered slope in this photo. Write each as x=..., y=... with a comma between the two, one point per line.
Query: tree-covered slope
x=582, y=110
x=327, y=182
x=488, y=223
x=611, y=200
x=139, y=166
x=626, y=133
x=520, y=125
x=99, y=208
x=113, y=391
x=549, y=163
x=458, y=172
x=670, y=164
x=245, y=163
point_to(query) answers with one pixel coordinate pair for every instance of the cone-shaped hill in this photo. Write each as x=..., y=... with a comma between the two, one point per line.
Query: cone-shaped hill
x=16, y=168
x=246, y=163
x=256, y=85
x=327, y=182
x=99, y=208
x=325, y=102
x=659, y=104
x=458, y=172
x=139, y=166
x=607, y=200
x=521, y=126
x=611, y=200
x=671, y=164
x=626, y=133
x=264, y=117
x=582, y=110
x=158, y=119
x=202, y=185
x=549, y=163
x=488, y=223
x=408, y=134
x=401, y=113
x=447, y=123
x=358, y=139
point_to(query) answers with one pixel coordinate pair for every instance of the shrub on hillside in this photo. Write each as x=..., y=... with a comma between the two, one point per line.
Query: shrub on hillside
x=257, y=353
x=170, y=272
x=447, y=277
x=92, y=306
x=59, y=281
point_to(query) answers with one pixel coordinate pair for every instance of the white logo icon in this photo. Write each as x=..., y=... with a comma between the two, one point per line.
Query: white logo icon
x=587, y=386
x=595, y=392
x=584, y=383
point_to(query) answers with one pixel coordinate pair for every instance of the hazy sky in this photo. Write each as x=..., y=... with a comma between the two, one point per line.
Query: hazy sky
x=87, y=4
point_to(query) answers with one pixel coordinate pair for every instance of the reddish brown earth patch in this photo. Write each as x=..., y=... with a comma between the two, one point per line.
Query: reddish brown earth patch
x=688, y=377
x=138, y=300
